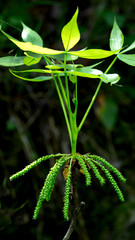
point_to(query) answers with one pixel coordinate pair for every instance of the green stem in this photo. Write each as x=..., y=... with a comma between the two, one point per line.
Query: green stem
x=63, y=108
x=94, y=97
x=89, y=107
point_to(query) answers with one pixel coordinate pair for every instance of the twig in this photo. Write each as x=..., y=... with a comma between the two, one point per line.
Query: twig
x=73, y=222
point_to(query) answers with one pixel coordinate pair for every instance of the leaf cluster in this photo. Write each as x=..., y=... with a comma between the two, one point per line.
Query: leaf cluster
x=32, y=46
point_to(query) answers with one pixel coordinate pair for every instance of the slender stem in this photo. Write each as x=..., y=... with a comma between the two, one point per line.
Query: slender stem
x=94, y=97
x=73, y=222
x=89, y=107
x=63, y=108
x=62, y=89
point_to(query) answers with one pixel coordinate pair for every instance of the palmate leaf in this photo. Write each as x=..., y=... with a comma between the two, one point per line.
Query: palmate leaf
x=127, y=58
x=70, y=33
x=116, y=37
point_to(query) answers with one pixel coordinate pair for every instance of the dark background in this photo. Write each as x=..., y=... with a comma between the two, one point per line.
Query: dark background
x=32, y=125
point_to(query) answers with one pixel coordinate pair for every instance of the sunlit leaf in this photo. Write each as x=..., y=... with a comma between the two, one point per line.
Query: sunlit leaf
x=11, y=61
x=36, y=79
x=93, y=53
x=82, y=74
x=28, y=46
x=127, y=58
x=70, y=33
x=110, y=78
x=116, y=37
x=132, y=46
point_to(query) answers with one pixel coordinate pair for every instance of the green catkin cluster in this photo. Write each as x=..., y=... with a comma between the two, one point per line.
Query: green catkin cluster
x=33, y=164
x=108, y=165
x=95, y=170
x=67, y=190
x=85, y=161
x=112, y=181
x=84, y=168
x=46, y=191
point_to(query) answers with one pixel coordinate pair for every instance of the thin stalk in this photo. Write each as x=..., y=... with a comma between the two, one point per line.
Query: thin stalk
x=64, y=110
x=89, y=107
x=62, y=89
x=94, y=97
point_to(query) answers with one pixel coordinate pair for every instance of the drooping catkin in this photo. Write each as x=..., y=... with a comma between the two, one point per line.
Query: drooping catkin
x=33, y=164
x=108, y=165
x=46, y=190
x=95, y=170
x=84, y=168
x=66, y=196
x=112, y=181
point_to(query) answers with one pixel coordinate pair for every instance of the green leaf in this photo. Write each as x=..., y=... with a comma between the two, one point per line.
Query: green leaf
x=116, y=38
x=82, y=74
x=30, y=60
x=61, y=57
x=127, y=58
x=61, y=66
x=11, y=61
x=29, y=35
x=36, y=79
x=90, y=70
x=73, y=78
x=110, y=78
x=132, y=46
x=28, y=46
x=93, y=53
x=70, y=33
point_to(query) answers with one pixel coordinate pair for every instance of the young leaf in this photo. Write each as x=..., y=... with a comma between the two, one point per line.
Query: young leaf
x=36, y=79
x=70, y=33
x=110, y=78
x=93, y=53
x=30, y=60
x=127, y=58
x=29, y=35
x=11, y=61
x=132, y=46
x=116, y=38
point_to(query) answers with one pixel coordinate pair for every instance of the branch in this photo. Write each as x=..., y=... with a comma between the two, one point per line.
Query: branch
x=73, y=222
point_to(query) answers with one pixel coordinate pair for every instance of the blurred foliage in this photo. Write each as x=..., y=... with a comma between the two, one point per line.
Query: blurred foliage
x=30, y=127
